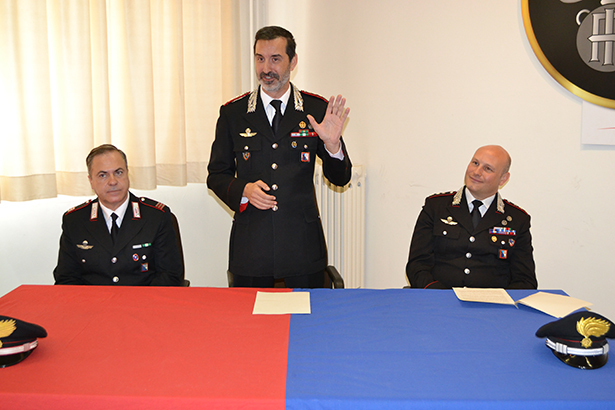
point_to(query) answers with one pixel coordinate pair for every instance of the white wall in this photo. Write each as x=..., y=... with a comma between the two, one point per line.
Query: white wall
x=427, y=82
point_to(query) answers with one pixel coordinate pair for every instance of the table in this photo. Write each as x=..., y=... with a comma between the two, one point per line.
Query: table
x=189, y=348
x=425, y=349
x=146, y=348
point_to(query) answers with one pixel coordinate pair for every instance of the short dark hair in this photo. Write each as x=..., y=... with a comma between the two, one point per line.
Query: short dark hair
x=273, y=32
x=103, y=149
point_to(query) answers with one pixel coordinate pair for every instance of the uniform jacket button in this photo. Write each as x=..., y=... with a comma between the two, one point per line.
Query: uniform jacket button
x=116, y=279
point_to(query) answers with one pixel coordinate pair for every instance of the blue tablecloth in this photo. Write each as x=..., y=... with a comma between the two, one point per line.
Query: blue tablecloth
x=412, y=348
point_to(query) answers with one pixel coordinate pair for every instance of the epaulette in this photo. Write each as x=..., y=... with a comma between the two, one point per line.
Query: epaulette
x=237, y=98
x=76, y=208
x=515, y=206
x=153, y=204
x=449, y=193
x=315, y=95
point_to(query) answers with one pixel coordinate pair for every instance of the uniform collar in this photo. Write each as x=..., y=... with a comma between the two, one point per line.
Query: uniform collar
x=459, y=195
x=120, y=211
x=284, y=98
x=486, y=202
x=253, y=99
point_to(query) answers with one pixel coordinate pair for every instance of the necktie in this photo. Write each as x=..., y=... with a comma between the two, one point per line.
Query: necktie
x=275, y=124
x=476, y=213
x=114, y=228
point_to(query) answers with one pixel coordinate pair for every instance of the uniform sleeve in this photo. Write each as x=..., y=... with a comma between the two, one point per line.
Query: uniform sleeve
x=421, y=259
x=522, y=267
x=169, y=265
x=338, y=172
x=222, y=166
x=68, y=270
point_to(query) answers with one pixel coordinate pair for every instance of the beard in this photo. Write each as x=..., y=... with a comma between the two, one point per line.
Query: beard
x=274, y=82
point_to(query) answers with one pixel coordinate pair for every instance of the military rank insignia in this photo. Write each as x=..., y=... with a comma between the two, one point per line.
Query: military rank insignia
x=573, y=40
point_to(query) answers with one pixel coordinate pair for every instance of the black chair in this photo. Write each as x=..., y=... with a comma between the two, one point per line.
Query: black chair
x=333, y=279
x=178, y=236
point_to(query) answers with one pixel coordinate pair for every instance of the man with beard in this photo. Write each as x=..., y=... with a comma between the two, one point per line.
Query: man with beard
x=262, y=167
x=473, y=237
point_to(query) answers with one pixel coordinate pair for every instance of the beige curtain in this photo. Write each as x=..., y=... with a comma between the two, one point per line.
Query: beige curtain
x=145, y=75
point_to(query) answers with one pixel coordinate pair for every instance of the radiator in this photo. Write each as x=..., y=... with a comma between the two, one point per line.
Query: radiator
x=342, y=211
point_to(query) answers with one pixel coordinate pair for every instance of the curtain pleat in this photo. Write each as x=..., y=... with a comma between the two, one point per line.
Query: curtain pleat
x=144, y=75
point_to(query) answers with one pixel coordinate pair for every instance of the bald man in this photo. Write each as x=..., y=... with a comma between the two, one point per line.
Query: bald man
x=473, y=237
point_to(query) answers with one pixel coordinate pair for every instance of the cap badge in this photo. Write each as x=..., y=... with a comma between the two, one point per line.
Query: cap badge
x=591, y=327
x=7, y=327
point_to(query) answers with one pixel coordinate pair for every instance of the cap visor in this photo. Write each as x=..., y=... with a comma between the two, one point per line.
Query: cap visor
x=582, y=362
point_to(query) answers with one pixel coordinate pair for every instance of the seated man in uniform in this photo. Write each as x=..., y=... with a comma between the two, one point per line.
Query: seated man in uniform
x=473, y=237
x=117, y=238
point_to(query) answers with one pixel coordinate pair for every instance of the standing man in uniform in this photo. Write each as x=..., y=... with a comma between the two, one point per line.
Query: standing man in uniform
x=117, y=238
x=473, y=237
x=262, y=167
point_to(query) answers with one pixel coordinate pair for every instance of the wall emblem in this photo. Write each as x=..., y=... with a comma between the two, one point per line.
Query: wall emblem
x=574, y=40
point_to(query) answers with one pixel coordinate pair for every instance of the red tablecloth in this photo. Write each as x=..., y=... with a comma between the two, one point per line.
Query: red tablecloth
x=146, y=348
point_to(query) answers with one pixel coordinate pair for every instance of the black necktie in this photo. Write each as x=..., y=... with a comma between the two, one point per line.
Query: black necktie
x=476, y=213
x=275, y=124
x=114, y=228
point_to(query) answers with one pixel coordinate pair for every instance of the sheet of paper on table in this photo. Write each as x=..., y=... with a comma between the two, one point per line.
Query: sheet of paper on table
x=554, y=305
x=484, y=295
x=281, y=303
x=549, y=303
